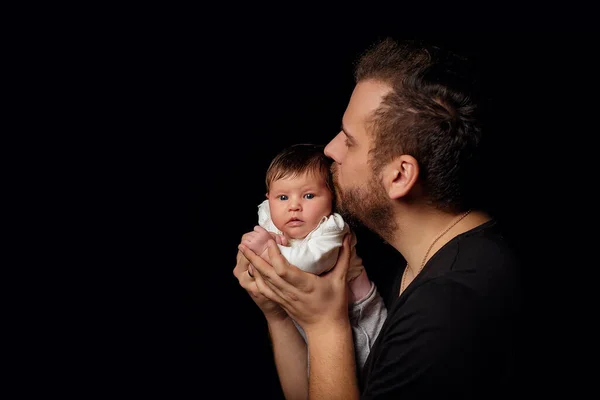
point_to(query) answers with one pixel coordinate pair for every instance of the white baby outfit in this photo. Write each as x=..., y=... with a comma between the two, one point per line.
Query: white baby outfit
x=318, y=251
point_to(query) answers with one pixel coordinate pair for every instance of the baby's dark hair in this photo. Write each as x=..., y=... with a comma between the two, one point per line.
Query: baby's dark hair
x=298, y=159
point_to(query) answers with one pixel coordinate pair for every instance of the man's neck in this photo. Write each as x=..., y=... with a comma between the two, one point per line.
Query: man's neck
x=419, y=228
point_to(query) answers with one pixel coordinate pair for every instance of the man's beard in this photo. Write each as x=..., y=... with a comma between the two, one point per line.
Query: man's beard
x=368, y=205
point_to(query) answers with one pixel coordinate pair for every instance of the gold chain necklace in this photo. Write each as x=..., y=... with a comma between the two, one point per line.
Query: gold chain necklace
x=429, y=249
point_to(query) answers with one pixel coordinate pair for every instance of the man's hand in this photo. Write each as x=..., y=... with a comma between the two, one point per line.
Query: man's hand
x=315, y=302
x=243, y=271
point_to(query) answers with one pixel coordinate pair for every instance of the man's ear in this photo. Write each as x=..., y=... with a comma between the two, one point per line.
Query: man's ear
x=267, y=195
x=400, y=176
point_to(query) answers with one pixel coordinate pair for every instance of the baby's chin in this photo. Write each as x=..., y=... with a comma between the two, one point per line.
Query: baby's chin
x=295, y=234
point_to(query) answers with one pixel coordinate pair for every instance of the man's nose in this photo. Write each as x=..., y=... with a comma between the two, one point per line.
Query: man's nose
x=334, y=147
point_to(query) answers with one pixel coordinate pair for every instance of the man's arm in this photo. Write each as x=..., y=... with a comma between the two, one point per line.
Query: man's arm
x=289, y=347
x=291, y=359
x=320, y=305
x=332, y=364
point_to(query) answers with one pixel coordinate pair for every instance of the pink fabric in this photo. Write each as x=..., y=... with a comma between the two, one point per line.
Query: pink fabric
x=359, y=287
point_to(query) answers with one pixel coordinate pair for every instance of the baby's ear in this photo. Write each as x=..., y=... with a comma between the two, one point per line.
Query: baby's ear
x=267, y=195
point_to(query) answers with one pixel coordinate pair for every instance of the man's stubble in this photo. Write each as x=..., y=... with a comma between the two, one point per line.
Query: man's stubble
x=366, y=204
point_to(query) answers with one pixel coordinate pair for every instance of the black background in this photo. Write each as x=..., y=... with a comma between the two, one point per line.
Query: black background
x=181, y=125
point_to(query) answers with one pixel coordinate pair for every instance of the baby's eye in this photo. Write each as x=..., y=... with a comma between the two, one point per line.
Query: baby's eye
x=309, y=196
x=283, y=197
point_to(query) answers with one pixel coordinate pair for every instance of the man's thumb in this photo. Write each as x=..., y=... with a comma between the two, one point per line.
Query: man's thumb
x=343, y=261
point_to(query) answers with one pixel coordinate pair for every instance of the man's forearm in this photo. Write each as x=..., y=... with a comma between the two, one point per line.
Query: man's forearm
x=291, y=358
x=332, y=364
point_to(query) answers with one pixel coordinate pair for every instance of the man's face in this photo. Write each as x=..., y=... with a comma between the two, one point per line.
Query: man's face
x=298, y=203
x=360, y=194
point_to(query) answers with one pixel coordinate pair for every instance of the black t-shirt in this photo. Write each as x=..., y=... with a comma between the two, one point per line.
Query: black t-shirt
x=451, y=334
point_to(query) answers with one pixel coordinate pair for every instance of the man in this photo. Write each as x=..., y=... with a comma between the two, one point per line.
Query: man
x=406, y=166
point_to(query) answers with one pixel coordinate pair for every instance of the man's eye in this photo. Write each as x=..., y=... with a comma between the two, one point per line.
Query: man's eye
x=283, y=197
x=309, y=196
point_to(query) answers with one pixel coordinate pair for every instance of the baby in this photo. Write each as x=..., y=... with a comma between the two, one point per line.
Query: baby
x=298, y=213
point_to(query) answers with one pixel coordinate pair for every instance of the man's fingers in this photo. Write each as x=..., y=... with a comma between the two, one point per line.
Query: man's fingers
x=241, y=265
x=260, y=265
x=297, y=279
x=343, y=263
x=280, y=264
x=279, y=275
x=270, y=291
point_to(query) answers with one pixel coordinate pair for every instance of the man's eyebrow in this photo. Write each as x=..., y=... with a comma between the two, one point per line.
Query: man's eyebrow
x=343, y=128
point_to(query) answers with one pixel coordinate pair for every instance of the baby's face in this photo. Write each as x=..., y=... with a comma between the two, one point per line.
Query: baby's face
x=298, y=204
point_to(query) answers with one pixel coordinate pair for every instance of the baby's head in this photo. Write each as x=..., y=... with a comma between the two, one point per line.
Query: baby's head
x=299, y=189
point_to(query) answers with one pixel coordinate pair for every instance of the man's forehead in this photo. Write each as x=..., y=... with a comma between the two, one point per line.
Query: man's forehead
x=365, y=100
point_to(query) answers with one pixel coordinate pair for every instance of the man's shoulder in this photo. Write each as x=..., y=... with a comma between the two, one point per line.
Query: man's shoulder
x=485, y=249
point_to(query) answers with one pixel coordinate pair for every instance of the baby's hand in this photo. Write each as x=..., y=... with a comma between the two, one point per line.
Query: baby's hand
x=279, y=239
x=257, y=240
